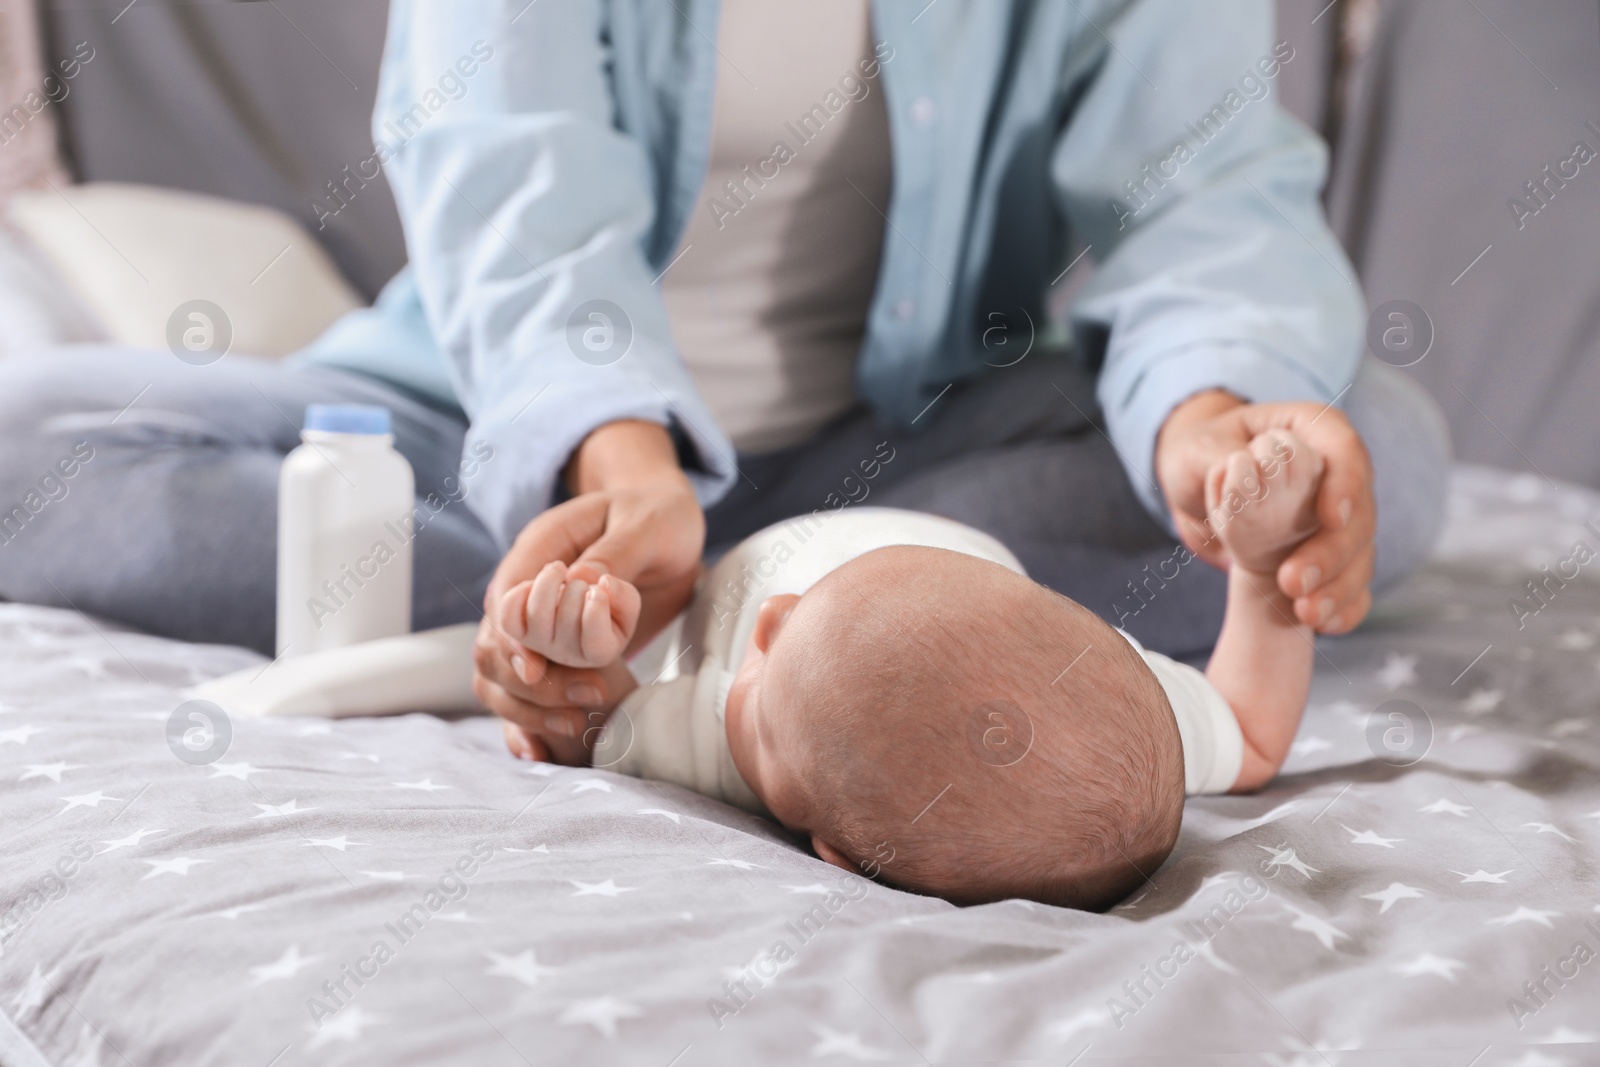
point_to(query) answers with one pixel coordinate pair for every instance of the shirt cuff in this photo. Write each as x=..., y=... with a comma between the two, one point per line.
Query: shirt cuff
x=524, y=443
x=1137, y=401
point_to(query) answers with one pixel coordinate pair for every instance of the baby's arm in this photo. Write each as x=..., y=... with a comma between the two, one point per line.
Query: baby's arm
x=577, y=617
x=1261, y=503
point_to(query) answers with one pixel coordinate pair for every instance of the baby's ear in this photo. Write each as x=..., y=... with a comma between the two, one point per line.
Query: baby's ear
x=771, y=616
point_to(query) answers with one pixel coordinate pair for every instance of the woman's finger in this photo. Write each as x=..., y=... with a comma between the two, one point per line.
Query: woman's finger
x=560, y=731
x=1338, y=597
x=546, y=684
x=522, y=744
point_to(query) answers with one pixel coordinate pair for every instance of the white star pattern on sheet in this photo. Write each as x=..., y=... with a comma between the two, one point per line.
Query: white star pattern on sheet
x=1285, y=857
x=51, y=771
x=385, y=876
x=19, y=735
x=31, y=996
x=1276, y=813
x=287, y=965
x=1310, y=745
x=1446, y=807
x=1563, y=1035
x=815, y=887
x=779, y=966
x=1395, y=891
x=1549, y=828
x=1371, y=837
x=1208, y=953
x=674, y=816
x=1575, y=641
x=1350, y=711
x=338, y=844
x=543, y=770
x=241, y=771
x=86, y=1051
x=1062, y=1029
x=1397, y=670
x=1320, y=929
x=524, y=967
x=1535, y=1058
x=536, y=848
x=271, y=811
x=1220, y=878
x=838, y=1043
x=426, y=785
x=607, y=888
x=90, y=666
x=1428, y=963
x=127, y=842
x=1481, y=875
x=1526, y=915
x=178, y=866
x=345, y=1026
x=743, y=865
x=587, y=785
x=602, y=1013
x=86, y=800
x=1482, y=701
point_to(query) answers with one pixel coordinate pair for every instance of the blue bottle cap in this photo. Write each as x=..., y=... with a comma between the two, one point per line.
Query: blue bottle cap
x=348, y=418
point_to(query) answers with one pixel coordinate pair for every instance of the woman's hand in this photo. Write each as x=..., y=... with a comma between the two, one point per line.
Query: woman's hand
x=635, y=516
x=1328, y=576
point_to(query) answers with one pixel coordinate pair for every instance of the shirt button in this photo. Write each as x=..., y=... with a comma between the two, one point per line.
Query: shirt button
x=904, y=308
x=923, y=111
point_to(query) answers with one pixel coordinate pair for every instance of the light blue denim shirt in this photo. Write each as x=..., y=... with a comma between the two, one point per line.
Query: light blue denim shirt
x=545, y=155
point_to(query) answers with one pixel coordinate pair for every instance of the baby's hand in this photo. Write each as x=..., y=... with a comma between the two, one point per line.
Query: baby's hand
x=1262, y=501
x=576, y=617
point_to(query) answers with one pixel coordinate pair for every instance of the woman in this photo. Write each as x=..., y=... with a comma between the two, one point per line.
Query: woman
x=680, y=270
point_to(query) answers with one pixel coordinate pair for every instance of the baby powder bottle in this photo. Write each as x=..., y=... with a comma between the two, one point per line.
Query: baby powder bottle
x=344, y=532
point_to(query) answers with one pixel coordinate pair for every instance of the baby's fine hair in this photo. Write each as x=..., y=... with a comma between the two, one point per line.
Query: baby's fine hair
x=975, y=736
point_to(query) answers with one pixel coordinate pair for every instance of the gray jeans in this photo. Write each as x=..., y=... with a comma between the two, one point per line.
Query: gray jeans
x=168, y=518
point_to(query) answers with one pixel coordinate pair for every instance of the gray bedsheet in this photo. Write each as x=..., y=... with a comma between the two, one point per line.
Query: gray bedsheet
x=397, y=892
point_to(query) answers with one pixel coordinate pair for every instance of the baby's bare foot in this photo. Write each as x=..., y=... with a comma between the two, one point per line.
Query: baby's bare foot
x=1261, y=502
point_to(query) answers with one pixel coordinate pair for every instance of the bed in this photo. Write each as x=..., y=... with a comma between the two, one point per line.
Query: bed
x=400, y=891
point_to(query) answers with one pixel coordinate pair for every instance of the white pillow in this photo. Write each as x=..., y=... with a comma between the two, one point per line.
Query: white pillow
x=139, y=258
x=37, y=312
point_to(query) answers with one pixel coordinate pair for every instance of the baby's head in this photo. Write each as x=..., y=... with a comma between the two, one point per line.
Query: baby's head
x=961, y=729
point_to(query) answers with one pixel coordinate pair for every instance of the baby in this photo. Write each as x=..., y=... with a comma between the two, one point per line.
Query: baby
x=893, y=688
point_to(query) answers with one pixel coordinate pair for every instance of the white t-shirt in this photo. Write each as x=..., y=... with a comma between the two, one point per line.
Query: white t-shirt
x=673, y=729
x=770, y=286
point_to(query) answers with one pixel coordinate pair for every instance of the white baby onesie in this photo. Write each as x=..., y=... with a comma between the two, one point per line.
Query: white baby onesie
x=673, y=729
x=1213, y=744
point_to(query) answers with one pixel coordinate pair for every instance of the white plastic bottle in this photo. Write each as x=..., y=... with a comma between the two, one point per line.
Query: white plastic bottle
x=345, y=527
